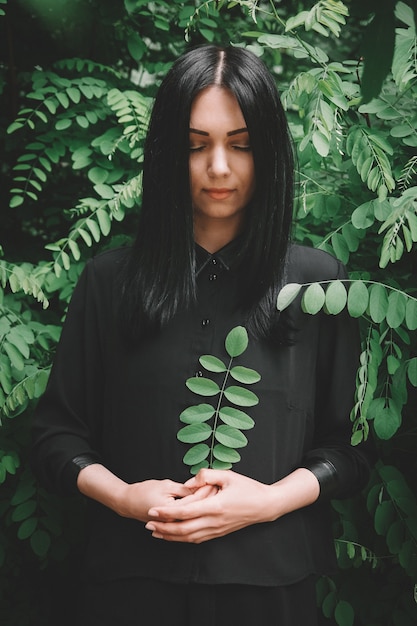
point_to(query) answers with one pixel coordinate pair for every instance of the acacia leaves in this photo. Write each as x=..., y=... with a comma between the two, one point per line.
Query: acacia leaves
x=219, y=425
x=385, y=368
x=381, y=302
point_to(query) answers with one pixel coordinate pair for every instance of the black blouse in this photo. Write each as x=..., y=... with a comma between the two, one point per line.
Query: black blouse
x=121, y=405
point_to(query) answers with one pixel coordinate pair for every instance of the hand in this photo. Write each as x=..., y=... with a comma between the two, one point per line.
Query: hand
x=135, y=500
x=130, y=500
x=236, y=501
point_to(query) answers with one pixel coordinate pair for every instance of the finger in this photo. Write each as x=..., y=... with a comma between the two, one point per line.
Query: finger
x=187, y=532
x=181, y=491
x=208, y=477
x=201, y=493
x=183, y=511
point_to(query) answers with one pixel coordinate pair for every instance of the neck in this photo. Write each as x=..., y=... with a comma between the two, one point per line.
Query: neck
x=215, y=235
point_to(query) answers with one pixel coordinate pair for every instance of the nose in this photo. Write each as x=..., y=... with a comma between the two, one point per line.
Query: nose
x=219, y=162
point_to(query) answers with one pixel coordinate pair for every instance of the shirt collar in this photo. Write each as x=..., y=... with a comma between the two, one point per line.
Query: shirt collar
x=226, y=256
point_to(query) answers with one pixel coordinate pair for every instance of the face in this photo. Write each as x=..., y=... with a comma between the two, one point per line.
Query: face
x=222, y=175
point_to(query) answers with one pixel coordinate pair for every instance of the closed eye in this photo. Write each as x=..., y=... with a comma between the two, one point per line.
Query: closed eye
x=242, y=148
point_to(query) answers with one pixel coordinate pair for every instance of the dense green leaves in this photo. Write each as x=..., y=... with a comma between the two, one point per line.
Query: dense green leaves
x=71, y=180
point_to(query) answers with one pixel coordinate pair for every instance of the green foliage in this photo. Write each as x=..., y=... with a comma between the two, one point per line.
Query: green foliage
x=73, y=115
x=224, y=431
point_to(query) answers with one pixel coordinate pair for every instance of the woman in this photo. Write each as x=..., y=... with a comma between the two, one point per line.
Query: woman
x=223, y=547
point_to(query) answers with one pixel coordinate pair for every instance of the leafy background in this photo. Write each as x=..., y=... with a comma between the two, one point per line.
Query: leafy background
x=77, y=79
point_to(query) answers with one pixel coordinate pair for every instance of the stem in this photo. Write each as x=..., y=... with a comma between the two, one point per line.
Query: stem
x=216, y=414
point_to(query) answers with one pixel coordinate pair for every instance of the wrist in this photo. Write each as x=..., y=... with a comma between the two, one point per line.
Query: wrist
x=98, y=483
x=297, y=490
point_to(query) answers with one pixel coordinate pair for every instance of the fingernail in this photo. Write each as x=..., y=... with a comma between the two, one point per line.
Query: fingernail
x=150, y=526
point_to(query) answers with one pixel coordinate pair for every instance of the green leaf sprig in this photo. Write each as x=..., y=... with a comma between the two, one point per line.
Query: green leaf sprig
x=219, y=425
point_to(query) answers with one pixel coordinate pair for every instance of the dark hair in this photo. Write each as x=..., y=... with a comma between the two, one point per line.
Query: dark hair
x=159, y=278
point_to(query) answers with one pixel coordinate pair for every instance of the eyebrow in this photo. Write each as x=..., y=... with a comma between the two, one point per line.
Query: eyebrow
x=229, y=134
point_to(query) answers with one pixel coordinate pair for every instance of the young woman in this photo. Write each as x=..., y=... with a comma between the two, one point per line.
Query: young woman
x=241, y=546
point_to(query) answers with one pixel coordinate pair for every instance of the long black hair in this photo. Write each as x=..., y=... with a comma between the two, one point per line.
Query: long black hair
x=159, y=277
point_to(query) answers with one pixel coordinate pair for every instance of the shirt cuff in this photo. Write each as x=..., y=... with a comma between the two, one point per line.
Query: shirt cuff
x=74, y=467
x=326, y=474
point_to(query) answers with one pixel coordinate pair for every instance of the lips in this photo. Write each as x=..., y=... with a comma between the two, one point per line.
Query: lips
x=219, y=194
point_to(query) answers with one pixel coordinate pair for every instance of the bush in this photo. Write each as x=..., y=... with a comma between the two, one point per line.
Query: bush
x=75, y=102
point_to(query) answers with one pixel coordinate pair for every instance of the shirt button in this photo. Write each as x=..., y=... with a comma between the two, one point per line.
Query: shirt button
x=214, y=261
x=205, y=322
x=199, y=373
x=213, y=277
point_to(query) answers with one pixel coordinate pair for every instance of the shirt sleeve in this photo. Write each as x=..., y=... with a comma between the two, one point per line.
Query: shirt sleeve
x=66, y=419
x=341, y=468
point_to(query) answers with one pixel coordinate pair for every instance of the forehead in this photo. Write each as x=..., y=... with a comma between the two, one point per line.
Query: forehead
x=216, y=106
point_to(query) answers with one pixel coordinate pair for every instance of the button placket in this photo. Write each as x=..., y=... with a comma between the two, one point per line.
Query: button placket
x=215, y=267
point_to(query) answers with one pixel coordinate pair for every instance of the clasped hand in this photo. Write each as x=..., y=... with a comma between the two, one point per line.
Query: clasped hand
x=219, y=503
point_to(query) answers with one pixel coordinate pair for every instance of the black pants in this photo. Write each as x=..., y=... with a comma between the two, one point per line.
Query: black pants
x=138, y=601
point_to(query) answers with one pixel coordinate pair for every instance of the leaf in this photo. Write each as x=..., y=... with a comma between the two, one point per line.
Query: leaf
x=63, y=124
x=226, y=454
x=241, y=396
x=411, y=314
x=236, y=418
x=93, y=228
x=104, y=191
x=336, y=297
x=24, y=510
x=313, y=299
x=194, y=433
x=363, y=216
x=236, y=341
x=230, y=437
x=197, y=414
x=85, y=236
x=385, y=514
x=396, y=309
x=202, y=386
x=14, y=355
x=16, y=201
x=220, y=465
x=19, y=341
x=98, y=175
x=136, y=46
x=340, y=247
x=357, y=438
x=321, y=143
x=386, y=422
x=392, y=364
x=40, y=542
x=75, y=250
x=412, y=371
x=104, y=220
x=27, y=528
x=23, y=493
x=212, y=363
x=287, y=294
x=196, y=454
x=358, y=298
x=378, y=303
x=344, y=613
x=245, y=375
x=74, y=94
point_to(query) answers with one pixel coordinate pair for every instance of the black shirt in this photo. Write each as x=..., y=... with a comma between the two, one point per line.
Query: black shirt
x=122, y=404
